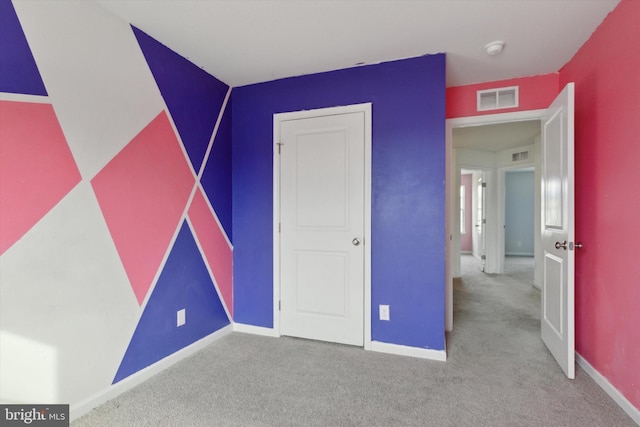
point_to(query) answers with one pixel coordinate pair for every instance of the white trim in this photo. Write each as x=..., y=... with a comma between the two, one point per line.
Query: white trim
x=255, y=330
x=613, y=392
x=488, y=119
x=85, y=406
x=450, y=179
x=368, y=138
x=19, y=97
x=276, y=225
x=277, y=118
x=403, y=350
x=214, y=133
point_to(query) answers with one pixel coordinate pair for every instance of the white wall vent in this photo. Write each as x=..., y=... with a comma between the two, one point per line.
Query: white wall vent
x=519, y=157
x=496, y=99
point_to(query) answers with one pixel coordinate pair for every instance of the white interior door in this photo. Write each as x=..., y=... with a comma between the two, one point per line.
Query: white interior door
x=322, y=228
x=557, y=317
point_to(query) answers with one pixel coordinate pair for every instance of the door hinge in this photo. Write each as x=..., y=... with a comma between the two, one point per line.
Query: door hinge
x=484, y=185
x=279, y=227
x=484, y=220
x=279, y=305
x=279, y=144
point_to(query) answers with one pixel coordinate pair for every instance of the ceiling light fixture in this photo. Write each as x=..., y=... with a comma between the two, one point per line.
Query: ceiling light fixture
x=494, y=48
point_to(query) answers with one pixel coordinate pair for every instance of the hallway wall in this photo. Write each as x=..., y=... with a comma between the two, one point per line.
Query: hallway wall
x=519, y=213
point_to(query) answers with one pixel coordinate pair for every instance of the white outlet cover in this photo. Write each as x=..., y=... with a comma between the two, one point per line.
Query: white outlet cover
x=182, y=316
x=384, y=312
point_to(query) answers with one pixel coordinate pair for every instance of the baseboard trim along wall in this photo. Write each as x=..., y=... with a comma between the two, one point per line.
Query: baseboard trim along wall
x=403, y=350
x=85, y=406
x=613, y=392
x=255, y=330
x=380, y=347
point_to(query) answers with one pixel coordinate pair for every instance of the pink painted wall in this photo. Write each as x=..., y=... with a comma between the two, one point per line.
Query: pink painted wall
x=534, y=92
x=606, y=71
x=217, y=250
x=466, y=242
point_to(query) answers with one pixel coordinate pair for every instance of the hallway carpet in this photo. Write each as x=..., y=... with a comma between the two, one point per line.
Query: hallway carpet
x=498, y=373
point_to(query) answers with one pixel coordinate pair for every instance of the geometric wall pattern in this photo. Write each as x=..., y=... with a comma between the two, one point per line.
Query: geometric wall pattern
x=96, y=77
x=215, y=246
x=36, y=167
x=66, y=308
x=183, y=283
x=143, y=192
x=18, y=70
x=115, y=199
x=193, y=98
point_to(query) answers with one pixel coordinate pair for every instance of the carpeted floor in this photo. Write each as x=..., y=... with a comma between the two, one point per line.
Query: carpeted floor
x=498, y=373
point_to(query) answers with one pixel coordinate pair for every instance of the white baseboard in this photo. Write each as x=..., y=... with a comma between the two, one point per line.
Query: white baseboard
x=403, y=350
x=85, y=406
x=255, y=330
x=613, y=392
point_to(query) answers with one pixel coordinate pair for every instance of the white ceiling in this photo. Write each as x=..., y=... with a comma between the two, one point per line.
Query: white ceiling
x=496, y=137
x=250, y=41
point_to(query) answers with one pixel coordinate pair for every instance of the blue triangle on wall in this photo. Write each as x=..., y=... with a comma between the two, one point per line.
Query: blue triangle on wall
x=18, y=70
x=193, y=96
x=183, y=284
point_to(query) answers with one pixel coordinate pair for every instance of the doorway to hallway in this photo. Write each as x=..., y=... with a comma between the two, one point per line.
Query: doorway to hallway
x=499, y=313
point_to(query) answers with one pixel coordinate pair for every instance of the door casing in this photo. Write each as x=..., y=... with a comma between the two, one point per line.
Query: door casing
x=451, y=170
x=277, y=118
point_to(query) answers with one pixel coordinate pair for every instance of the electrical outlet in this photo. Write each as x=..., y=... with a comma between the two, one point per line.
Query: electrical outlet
x=182, y=317
x=384, y=312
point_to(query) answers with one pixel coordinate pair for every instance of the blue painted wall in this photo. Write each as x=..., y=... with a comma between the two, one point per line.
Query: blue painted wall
x=216, y=177
x=186, y=284
x=408, y=192
x=194, y=100
x=519, y=212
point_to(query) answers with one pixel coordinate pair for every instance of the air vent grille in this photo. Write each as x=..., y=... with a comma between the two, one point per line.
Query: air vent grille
x=518, y=157
x=496, y=99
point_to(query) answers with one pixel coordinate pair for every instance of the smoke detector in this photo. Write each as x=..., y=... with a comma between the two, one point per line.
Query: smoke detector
x=494, y=48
